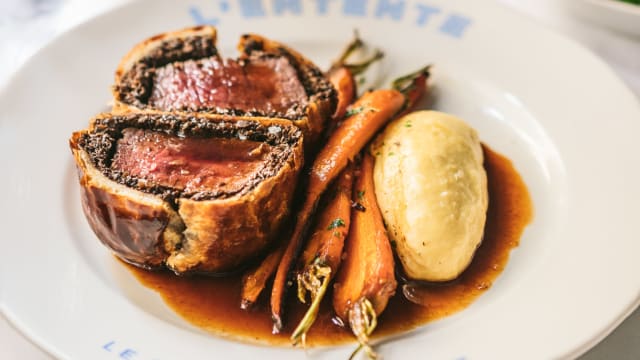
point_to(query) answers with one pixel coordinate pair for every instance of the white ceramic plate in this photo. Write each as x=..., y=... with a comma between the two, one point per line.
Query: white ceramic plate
x=564, y=119
x=614, y=14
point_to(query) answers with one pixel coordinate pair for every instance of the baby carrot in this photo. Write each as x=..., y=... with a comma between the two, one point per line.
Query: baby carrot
x=342, y=79
x=255, y=280
x=414, y=86
x=342, y=76
x=368, y=114
x=323, y=252
x=366, y=278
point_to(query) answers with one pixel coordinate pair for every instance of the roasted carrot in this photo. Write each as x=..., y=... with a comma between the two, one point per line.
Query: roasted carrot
x=342, y=76
x=323, y=252
x=342, y=79
x=255, y=280
x=366, y=279
x=364, y=118
x=414, y=86
x=368, y=114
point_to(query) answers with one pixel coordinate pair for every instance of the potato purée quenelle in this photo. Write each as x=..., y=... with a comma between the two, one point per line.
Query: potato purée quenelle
x=431, y=187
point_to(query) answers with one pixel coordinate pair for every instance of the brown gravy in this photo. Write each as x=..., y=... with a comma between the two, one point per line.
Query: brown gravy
x=213, y=304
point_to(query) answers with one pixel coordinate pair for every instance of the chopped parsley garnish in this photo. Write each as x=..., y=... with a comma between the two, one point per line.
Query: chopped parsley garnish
x=360, y=194
x=358, y=110
x=336, y=224
x=351, y=112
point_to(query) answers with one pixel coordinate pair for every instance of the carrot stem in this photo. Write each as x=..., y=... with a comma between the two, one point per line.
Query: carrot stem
x=413, y=86
x=323, y=251
x=366, y=280
x=407, y=82
x=356, y=68
x=321, y=274
x=352, y=46
x=342, y=76
x=363, y=321
x=359, y=68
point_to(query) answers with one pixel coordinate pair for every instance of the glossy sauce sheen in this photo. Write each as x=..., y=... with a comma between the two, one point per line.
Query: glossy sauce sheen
x=130, y=229
x=189, y=164
x=213, y=303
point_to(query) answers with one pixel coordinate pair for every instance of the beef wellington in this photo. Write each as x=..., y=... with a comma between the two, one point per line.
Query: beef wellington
x=183, y=71
x=197, y=193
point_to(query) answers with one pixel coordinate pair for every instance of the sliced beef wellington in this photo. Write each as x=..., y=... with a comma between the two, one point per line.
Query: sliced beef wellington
x=183, y=71
x=195, y=192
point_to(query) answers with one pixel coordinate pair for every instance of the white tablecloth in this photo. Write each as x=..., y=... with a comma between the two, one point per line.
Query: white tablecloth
x=27, y=25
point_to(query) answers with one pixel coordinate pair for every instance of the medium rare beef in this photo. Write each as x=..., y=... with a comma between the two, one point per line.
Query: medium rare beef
x=183, y=71
x=198, y=193
x=263, y=86
x=192, y=165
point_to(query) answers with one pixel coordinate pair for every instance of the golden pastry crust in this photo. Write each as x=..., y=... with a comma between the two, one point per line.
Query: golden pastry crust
x=208, y=233
x=140, y=228
x=154, y=44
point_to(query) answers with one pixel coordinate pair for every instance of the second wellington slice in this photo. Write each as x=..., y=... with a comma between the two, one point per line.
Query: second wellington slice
x=184, y=71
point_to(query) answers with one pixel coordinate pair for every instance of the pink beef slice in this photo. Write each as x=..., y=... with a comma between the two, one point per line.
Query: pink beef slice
x=268, y=85
x=189, y=164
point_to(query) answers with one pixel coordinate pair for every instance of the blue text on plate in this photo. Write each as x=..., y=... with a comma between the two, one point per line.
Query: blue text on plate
x=419, y=13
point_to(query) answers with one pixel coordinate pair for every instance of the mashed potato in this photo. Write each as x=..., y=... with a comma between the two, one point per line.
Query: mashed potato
x=431, y=187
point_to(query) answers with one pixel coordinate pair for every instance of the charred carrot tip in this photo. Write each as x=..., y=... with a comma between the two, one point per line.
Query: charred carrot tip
x=406, y=83
x=255, y=280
